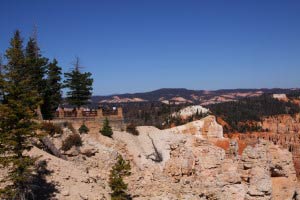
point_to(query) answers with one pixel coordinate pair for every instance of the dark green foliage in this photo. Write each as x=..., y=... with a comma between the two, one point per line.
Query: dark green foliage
x=70, y=141
x=79, y=86
x=131, y=128
x=1, y=80
x=119, y=171
x=178, y=120
x=17, y=126
x=52, y=95
x=148, y=113
x=251, y=109
x=106, y=129
x=83, y=129
x=51, y=128
x=294, y=94
x=35, y=66
x=69, y=125
x=16, y=63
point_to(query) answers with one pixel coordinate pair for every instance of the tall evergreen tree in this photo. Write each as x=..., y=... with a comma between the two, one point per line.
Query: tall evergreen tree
x=16, y=123
x=36, y=66
x=79, y=85
x=52, y=96
x=1, y=80
x=16, y=65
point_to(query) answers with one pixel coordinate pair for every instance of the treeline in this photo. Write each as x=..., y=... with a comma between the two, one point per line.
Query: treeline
x=177, y=120
x=294, y=94
x=156, y=114
x=44, y=77
x=29, y=81
x=148, y=113
x=241, y=114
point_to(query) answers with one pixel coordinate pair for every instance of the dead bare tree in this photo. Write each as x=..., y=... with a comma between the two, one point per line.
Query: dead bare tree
x=157, y=155
x=51, y=147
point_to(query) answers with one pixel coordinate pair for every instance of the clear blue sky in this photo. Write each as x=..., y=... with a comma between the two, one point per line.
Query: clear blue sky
x=142, y=45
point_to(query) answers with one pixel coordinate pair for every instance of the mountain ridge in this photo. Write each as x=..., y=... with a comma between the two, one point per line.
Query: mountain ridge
x=183, y=95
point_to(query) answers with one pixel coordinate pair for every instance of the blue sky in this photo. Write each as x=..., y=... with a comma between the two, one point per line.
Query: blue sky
x=132, y=46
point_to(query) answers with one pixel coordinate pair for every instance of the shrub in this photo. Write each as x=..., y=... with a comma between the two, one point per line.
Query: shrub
x=131, y=128
x=70, y=141
x=116, y=183
x=83, y=129
x=106, y=129
x=51, y=128
x=69, y=125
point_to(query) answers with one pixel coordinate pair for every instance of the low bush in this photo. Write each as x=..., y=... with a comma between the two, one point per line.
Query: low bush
x=69, y=125
x=131, y=128
x=51, y=128
x=70, y=141
x=83, y=129
x=106, y=129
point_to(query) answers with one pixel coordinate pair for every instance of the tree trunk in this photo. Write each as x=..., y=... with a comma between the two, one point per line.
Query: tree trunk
x=46, y=141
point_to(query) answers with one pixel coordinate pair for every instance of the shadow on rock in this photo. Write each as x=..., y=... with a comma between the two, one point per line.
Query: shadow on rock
x=42, y=189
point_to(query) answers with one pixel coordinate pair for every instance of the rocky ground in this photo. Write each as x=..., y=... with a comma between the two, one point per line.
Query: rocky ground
x=177, y=163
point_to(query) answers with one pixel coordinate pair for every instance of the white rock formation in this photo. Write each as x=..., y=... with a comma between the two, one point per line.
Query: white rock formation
x=190, y=111
x=280, y=96
x=150, y=139
x=206, y=128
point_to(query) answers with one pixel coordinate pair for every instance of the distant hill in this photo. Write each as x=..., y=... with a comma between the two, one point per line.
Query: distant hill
x=182, y=95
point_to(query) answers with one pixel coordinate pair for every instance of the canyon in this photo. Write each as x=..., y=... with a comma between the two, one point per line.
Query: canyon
x=283, y=130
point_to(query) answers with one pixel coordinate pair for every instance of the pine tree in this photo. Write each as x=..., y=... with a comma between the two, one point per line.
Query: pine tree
x=106, y=129
x=17, y=126
x=52, y=97
x=116, y=183
x=1, y=80
x=83, y=129
x=15, y=58
x=80, y=86
x=35, y=66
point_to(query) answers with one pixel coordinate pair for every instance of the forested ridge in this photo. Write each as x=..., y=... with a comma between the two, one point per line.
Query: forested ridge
x=237, y=113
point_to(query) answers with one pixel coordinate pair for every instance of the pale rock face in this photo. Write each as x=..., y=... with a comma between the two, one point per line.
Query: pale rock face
x=72, y=182
x=190, y=111
x=280, y=96
x=206, y=128
x=197, y=169
x=270, y=172
x=142, y=149
x=174, y=164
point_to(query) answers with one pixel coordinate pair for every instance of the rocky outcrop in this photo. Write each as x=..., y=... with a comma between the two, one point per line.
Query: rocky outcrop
x=282, y=124
x=193, y=168
x=206, y=128
x=177, y=163
x=262, y=166
x=280, y=97
x=282, y=130
x=72, y=181
x=149, y=145
x=190, y=111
